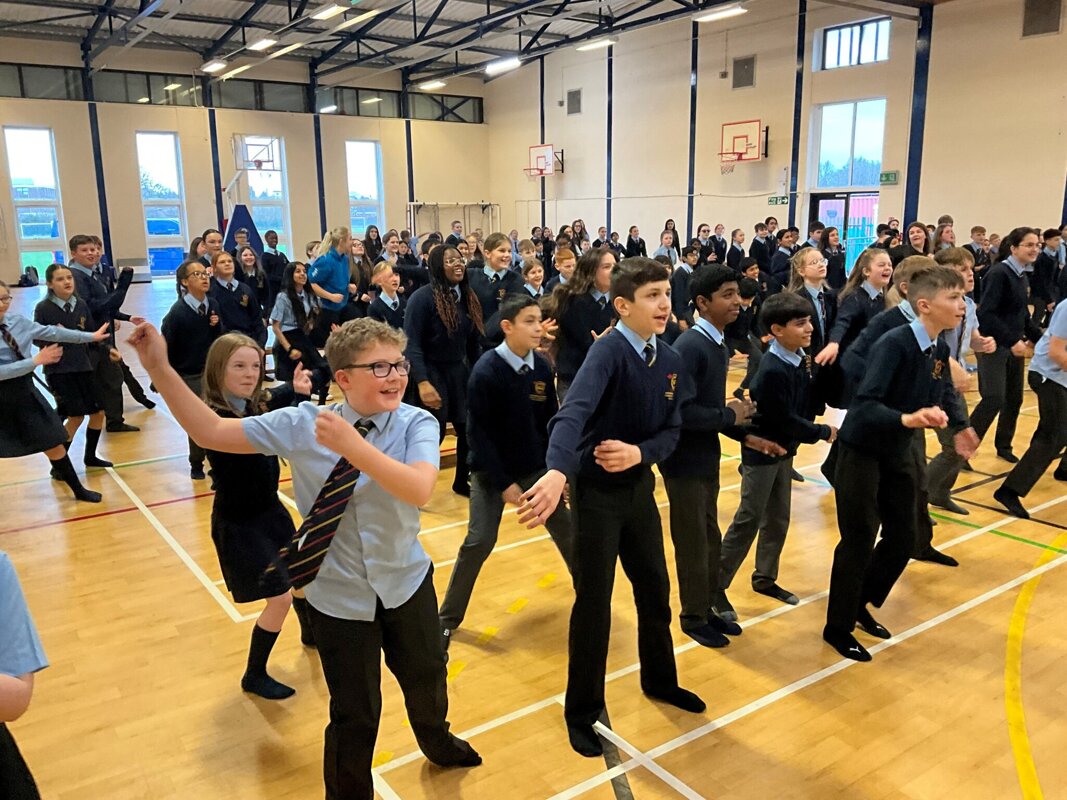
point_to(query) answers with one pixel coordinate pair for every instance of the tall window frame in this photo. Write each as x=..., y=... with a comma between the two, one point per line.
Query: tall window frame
x=366, y=196
x=857, y=162
x=263, y=159
x=35, y=193
x=159, y=168
x=857, y=43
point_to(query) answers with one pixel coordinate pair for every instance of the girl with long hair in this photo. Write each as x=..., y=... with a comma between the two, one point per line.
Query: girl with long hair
x=250, y=271
x=331, y=281
x=296, y=309
x=670, y=225
x=916, y=243
x=372, y=243
x=834, y=253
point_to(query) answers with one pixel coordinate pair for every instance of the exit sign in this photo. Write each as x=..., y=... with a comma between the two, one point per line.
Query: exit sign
x=889, y=178
x=780, y=200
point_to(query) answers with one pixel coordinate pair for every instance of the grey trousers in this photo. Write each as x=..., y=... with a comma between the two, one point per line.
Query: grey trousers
x=486, y=509
x=766, y=498
x=697, y=544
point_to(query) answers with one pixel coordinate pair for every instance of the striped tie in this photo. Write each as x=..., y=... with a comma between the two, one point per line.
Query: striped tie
x=304, y=554
x=9, y=340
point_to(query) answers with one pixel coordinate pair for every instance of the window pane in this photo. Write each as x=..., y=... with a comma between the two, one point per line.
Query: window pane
x=157, y=156
x=163, y=220
x=30, y=161
x=883, y=40
x=867, y=42
x=363, y=216
x=362, y=170
x=835, y=145
x=854, y=54
x=284, y=97
x=165, y=260
x=9, y=81
x=38, y=222
x=236, y=94
x=41, y=259
x=830, y=50
x=265, y=184
x=870, y=130
x=51, y=83
x=845, y=54
x=268, y=217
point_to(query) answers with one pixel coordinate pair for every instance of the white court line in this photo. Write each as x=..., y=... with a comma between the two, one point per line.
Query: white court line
x=383, y=788
x=180, y=551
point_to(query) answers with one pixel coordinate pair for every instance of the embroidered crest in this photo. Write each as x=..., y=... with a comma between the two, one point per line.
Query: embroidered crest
x=539, y=395
x=81, y=323
x=672, y=380
x=244, y=301
x=939, y=365
x=501, y=292
x=807, y=364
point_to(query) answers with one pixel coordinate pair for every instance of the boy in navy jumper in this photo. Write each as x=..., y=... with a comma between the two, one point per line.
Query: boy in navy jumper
x=680, y=279
x=903, y=390
x=691, y=473
x=510, y=402
x=606, y=450
x=389, y=304
x=782, y=391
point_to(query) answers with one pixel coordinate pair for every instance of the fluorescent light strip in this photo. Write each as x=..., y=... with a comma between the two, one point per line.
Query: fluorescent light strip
x=171, y=87
x=370, y=101
x=216, y=65
x=287, y=49
x=725, y=12
x=596, y=44
x=328, y=11
x=143, y=100
x=262, y=44
x=503, y=65
x=236, y=71
x=327, y=109
x=429, y=86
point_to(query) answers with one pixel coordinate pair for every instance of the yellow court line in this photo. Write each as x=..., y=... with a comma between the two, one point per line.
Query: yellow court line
x=1013, y=682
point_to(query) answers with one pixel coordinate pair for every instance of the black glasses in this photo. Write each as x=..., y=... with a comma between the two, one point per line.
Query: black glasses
x=197, y=274
x=381, y=369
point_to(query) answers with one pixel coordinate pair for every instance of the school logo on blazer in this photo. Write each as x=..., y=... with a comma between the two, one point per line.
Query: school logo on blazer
x=672, y=380
x=500, y=293
x=81, y=323
x=540, y=392
x=939, y=366
x=244, y=301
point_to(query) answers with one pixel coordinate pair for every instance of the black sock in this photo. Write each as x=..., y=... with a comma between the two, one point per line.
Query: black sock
x=92, y=439
x=300, y=608
x=65, y=471
x=256, y=679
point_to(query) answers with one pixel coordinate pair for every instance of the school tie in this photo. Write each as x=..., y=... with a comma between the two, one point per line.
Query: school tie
x=202, y=309
x=602, y=302
x=525, y=369
x=67, y=307
x=650, y=354
x=494, y=279
x=304, y=558
x=822, y=310
x=396, y=305
x=9, y=340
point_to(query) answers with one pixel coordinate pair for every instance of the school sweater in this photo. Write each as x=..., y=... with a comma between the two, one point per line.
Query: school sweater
x=704, y=412
x=854, y=362
x=583, y=315
x=836, y=274
x=900, y=379
x=734, y=256
x=613, y=382
x=380, y=309
x=428, y=339
x=782, y=394
x=507, y=426
x=1043, y=279
x=490, y=295
x=635, y=248
x=189, y=336
x=854, y=313
x=681, y=302
x=762, y=252
x=1003, y=313
x=740, y=328
x=75, y=356
x=239, y=307
x=781, y=267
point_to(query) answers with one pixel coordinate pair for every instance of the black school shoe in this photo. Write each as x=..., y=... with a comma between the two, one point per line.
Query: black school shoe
x=121, y=427
x=845, y=644
x=1007, y=498
x=706, y=636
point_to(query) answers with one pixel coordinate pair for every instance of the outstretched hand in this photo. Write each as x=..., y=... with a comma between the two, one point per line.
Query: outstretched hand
x=150, y=345
x=100, y=333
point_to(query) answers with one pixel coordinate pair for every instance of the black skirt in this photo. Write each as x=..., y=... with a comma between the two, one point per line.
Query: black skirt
x=246, y=547
x=16, y=781
x=27, y=423
x=450, y=379
x=75, y=392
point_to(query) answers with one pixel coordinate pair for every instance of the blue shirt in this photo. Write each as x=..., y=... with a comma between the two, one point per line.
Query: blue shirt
x=24, y=331
x=959, y=338
x=513, y=360
x=538, y=292
x=1041, y=363
x=491, y=273
x=597, y=294
x=870, y=290
x=375, y=553
x=73, y=300
x=636, y=342
x=708, y=330
x=1016, y=267
x=922, y=336
x=663, y=250
x=814, y=294
x=907, y=310
x=20, y=648
x=195, y=304
x=330, y=272
x=788, y=356
x=283, y=313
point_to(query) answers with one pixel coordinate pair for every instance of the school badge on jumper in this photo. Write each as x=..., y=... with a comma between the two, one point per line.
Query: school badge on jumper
x=939, y=365
x=539, y=395
x=672, y=378
x=244, y=301
x=807, y=364
x=81, y=323
x=500, y=293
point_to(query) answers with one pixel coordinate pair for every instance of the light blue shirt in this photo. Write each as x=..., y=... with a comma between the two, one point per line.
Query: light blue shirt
x=283, y=313
x=82, y=269
x=492, y=273
x=663, y=250
x=597, y=294
x=538, y=292
x=512, y=360
x=907, y=310
x=1016, y=267
x=636, y=342
x=195, y=304
x=20, y=647
x=708, y=330
x=1041, y=363
x=685, y=267
x=921, y=335
x=229, y=285
x=390, y=300
x=73, y=300
x=870, y=290
x=814, y=294
x=24, y=331
x=375, y=552
x=788, y=356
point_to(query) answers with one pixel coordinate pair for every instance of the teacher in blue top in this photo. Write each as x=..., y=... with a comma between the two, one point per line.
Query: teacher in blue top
x=330, y=280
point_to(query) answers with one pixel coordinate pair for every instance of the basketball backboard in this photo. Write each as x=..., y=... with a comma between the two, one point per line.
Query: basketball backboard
x=741, y=141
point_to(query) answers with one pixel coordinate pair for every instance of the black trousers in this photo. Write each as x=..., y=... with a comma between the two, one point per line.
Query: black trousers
x=752, y=347
x=863, y=573
x=196, y=452
x=16, y=781
x=1048, y=440
x=109, y=379
x=1000, y=383
x=616, y=522
x=351, y=656
x=924, y=528
x=697, y=544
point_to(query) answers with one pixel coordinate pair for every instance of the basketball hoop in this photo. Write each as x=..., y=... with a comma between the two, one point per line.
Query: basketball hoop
x=534, y=172
x=728, y=161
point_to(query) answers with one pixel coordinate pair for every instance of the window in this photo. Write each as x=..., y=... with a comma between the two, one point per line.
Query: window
x=162, y=198
x=350, y=102
x=44, y=83
x=862, y=43
x=260, y=95
x=850, y=143
x=113, y=86
x=364, y=185
x=444, y=107
x=268, y=196
x=31, y=162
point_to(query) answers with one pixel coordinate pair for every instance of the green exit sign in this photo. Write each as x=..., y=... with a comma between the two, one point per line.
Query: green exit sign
x=780, y=200
x=889, y=178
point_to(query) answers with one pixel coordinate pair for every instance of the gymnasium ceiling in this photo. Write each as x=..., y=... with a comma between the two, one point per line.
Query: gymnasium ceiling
x=420, y=38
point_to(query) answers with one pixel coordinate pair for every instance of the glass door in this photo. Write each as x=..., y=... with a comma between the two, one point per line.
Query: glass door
x=854, y=214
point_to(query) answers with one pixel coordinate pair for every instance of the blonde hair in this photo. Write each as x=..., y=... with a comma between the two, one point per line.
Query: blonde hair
x=380, y=267
x=795, y=263
x=331, y=239
x=355, y=336
x=214, y=380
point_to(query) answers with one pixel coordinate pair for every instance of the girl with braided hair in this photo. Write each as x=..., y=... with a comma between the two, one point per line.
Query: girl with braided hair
x=444, y=325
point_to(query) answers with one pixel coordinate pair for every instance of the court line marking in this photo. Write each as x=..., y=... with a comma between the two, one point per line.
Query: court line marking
x=533, y=708
x=179, y=551
x=816, y=677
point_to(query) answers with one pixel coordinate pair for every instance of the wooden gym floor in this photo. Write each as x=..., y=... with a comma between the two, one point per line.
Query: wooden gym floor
x=142, y=699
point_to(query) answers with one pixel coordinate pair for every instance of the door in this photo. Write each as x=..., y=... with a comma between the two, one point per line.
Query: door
x=854, y=214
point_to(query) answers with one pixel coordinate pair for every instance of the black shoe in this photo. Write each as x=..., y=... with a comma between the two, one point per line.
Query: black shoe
x=584, y=740
x=845, y=644
x=824, y=468
x=680, y=698
x=461, y=755
x=797, y=477
x=87, y=495
x=149, y=404
x=266, y=687
x=462, y=489
x=706, y=636
x=729, y=627
x=778, y=593
x=1008, y=456
x=1060, y=474
x=1007, y=498
x=950, y=505
x=721, y=605
x=966, y=466
x=121, y=427
x=868, y=624
x=936, y=557
x=97, y=462
x=196, y=472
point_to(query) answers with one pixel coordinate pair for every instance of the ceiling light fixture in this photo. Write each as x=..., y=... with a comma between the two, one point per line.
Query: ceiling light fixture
x=143, y=100
x=236, y=71
x=213, y=66
x=329, y=10
x=288, y=49
x=370, y=101
x=596, y=44
x=263, y=44
x=429, y=86
x=722, y=12
x=502, y=66
x=172, y=87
